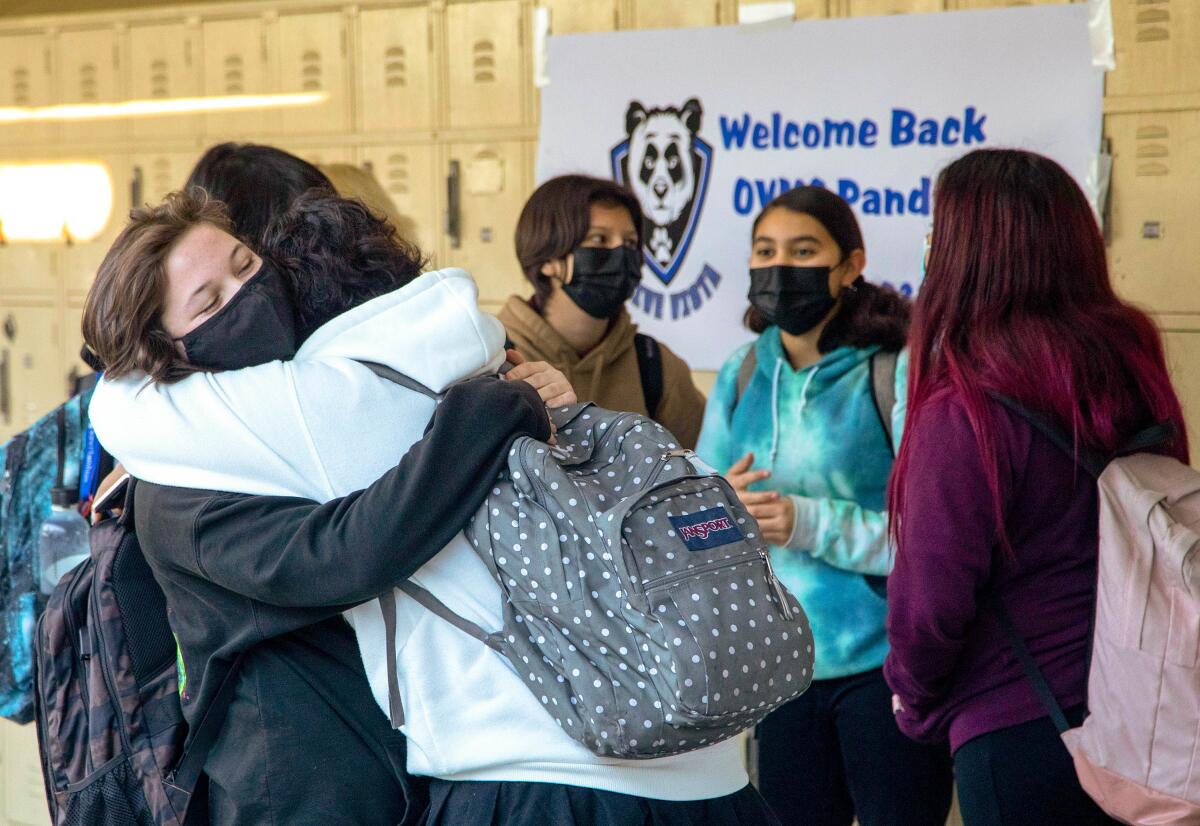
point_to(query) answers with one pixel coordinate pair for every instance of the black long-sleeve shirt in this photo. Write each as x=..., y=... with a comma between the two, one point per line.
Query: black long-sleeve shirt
x=304, y=741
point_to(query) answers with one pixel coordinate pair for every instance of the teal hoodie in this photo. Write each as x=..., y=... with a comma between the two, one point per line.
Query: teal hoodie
x=819, y=434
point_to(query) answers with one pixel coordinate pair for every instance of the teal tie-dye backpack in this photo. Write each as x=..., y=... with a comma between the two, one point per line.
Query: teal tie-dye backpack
x=49, y=453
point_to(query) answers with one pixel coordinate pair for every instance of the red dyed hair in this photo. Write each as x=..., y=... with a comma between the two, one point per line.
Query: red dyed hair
x=1017, y=301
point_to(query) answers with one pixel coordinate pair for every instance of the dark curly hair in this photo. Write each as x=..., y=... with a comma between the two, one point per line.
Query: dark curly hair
x=869, y=315
x=337, y=255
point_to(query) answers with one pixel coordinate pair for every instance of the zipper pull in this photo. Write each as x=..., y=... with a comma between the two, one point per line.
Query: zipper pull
x=777, y=587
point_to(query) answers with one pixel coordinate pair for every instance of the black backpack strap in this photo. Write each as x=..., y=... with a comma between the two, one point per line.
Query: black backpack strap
x=744, y=374
x=1032, y=673
x=883, y=392
x=650, y=368
x=186, y=775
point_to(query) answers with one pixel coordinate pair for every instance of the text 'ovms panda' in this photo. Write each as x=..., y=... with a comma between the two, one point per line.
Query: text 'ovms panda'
x=665, y=170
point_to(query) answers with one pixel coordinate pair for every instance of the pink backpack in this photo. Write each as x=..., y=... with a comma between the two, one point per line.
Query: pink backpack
x=1138, y=752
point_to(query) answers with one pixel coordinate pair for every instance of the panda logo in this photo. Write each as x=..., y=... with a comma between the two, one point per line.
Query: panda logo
x=666, y=165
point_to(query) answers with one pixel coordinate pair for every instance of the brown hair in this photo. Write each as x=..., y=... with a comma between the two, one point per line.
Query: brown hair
x=556, y=217
x=869, y=315
x=122, y=317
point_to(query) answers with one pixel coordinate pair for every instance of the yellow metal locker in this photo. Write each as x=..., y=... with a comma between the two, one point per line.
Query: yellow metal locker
x=395, y=69
x=239, y=59
x=153, y=175
x=28, y=268
x=24, y=793
x=89, y=71
x=567, y=16
x=408, y=175
x=77, y=263
x=864, y=8
x=26, y=80
x=1183, y=354
x=491, y=186
x=1157, y=45
x=72, y=365
x=484, y=55
x=314, y=57
x=1156, y=198
x=989, y=4
x=676, y=14
x=164, y=63
x=30, y=363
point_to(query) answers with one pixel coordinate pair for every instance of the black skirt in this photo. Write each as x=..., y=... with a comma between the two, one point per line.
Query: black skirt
x=551, y=804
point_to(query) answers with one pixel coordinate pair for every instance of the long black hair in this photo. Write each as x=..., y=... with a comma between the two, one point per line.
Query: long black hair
x=256, y=183
x=869, y=315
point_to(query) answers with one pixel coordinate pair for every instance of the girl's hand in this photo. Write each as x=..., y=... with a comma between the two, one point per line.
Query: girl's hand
x=548, y=380
x=775, y=514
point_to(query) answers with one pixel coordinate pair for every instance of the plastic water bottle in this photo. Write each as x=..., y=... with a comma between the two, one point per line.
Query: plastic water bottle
x=62, y=541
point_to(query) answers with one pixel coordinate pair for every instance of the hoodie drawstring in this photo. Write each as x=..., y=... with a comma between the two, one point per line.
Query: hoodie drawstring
x=775, y=405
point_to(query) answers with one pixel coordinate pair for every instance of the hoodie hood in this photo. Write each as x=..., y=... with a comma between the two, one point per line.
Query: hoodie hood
x=535, y=339
x=432, y=330
x=305, y=427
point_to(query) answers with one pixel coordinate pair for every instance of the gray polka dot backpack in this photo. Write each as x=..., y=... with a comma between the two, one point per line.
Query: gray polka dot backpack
x=641, y=608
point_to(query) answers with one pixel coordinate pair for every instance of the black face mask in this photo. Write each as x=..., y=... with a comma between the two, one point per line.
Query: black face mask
x=603, y=280
x=258, y=325
x=795, y=299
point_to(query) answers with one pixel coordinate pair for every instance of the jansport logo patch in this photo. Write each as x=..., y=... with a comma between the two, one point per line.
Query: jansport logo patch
x=707, y=529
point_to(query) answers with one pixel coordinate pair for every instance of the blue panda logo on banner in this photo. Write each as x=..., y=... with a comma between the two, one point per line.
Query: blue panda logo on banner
x=666, y=165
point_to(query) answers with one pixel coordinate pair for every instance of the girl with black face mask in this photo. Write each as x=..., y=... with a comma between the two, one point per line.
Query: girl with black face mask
x=579, y=243
x=802, y=418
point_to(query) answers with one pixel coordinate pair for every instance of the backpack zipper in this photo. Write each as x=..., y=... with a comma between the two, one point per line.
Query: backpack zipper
x=114, y=698
x=75, y=634
x=671, y=579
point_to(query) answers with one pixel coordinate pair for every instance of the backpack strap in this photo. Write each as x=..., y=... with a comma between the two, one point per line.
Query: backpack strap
x=396, y=377
x=744, y=374
x=650, y=368
x=1032, y=673
x=186, y=775
x=387, y=603
x=883, y=391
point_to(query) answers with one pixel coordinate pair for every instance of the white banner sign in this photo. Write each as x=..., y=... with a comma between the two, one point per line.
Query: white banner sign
x=708, y=125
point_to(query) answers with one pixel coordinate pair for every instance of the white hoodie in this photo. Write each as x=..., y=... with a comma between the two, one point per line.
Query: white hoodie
x=322, y=426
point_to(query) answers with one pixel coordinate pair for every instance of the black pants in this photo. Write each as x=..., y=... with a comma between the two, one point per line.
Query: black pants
x=835, y=753
x=1023, y=775
x=485, y=803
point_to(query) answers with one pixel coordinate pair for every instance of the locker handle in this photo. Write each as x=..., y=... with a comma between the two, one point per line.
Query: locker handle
x=5, y=398
x=136, y=187
x=454, y=205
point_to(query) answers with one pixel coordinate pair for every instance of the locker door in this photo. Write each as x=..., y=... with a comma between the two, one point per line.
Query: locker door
x=72, y=365
x=24, y=795
x=25, y=80
x=31, y=336
x=407, y=173
x=314, y=57
x=153, y=175
x=323, y=155
x=1155, y=201
x=89, y=71
x=989, y=4
x=78, y=262
x=867, y=8
x=484, y=49
x=492, y=187
x=239, y=60
x=395, y=69
x=568, y=16
x=27, y=267
x=1156, y=47
x=163, y=64
x=676, y=14
x=1183, y=352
